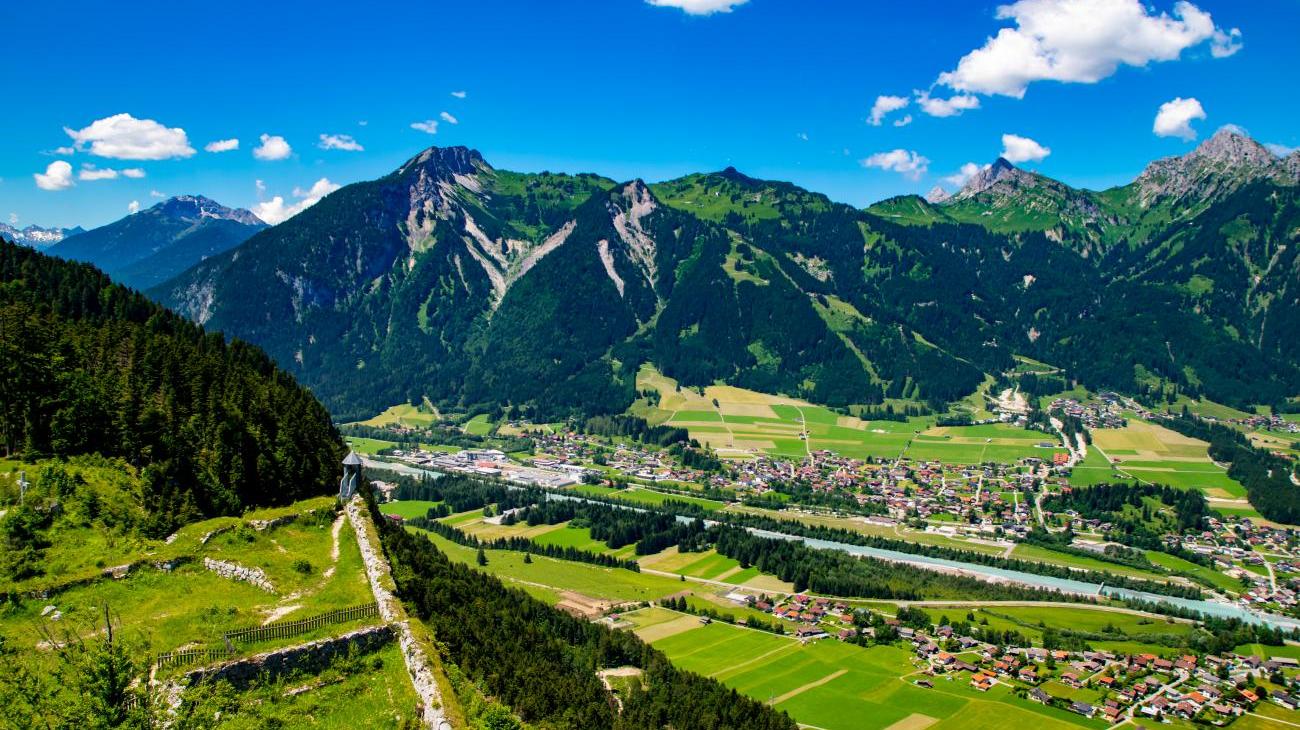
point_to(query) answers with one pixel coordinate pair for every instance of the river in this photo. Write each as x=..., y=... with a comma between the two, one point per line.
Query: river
x=985, y=572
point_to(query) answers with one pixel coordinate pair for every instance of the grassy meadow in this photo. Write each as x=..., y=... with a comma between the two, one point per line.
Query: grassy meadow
x=740, y=423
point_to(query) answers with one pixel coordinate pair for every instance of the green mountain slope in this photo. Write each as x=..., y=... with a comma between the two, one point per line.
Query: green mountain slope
x=213, y=427
x=472, y=286
x=155, y=244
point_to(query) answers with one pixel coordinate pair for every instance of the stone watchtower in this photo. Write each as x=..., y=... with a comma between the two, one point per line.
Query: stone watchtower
x=351, y=476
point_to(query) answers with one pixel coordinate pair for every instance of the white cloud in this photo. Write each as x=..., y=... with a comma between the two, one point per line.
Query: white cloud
x=340, y=142
x=699, y=7
x=949, y=107
x=1174, y=119
x=906, y=120
x=428, y=126
x=448, y=118
x=459, y=94
x=133, y=207
x=802, y=136
x=261, y=187
x=1280, y=150
x=273, y=147
x=362, y=123
x=62, y=151
x=222, y=145
x=909, y=164
x=1022, y=149
x=963, y=175
x=123, y=137
x=1082, y=41
x=90, y=172
x=883, y=106
x=57, y=176
x=1224, y=44
x=13, y=219
x=157, y=194
x=276, y=210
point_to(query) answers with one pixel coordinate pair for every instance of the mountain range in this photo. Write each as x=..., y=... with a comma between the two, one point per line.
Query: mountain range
x=451, y=280
x=153, y=245
x=37, y=236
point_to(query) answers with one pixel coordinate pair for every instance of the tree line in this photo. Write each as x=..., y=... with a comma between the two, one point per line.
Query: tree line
x=521, y=544
x=541, y=662
x=1266, y=477
x=212, y=426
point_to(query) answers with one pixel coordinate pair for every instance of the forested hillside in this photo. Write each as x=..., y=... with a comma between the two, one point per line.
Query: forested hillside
x=212, y=426
x=478, y=287
x=542, y=662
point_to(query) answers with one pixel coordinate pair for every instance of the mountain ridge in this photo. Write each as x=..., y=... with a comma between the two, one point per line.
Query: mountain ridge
x=472, y=286
x=157, y=243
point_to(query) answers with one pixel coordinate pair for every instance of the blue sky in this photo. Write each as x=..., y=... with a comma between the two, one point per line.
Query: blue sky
x=781, y=89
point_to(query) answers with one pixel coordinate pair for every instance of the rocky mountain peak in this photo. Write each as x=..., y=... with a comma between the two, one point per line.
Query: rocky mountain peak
x=1000, y=174
x=1216, y=167
x=1229, y=146
x=937, y=195
x=446, y=162
x=637, y=194
x=196, y=208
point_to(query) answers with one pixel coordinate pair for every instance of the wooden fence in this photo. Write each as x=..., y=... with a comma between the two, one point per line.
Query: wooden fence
x=186, y=657
x=255, y=634
x=294, y=628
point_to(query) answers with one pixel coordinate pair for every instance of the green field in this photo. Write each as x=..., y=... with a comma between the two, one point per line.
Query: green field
x=836, y=686
x=362, y=691
x=479, y=425
x=368, y=446
x=740, y=423
x=1094, y=469
x=646, y=496
x=1152, y=453
x=404, y=415
x=1052, y=557
x=1214, y=577
x=406, y=509
x=159, y=610
x=547, y=578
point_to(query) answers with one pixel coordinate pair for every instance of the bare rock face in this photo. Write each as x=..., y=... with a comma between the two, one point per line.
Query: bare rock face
x=937, y=195
x=1001, y=177
x=1216, y=167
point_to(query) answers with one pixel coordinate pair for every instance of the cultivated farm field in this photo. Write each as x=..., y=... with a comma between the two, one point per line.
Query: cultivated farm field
x=739, y=423
x=1152, y=453
x=837, y=686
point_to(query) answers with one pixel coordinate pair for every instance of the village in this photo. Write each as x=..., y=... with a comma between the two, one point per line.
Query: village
x=1211, y=688
x=992, y=504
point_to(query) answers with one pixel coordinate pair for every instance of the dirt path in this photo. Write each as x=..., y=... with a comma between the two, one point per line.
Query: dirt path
x=334, y=548
x=280, y=613
x=807, y=437
x=793, y=644
x=811, y=685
